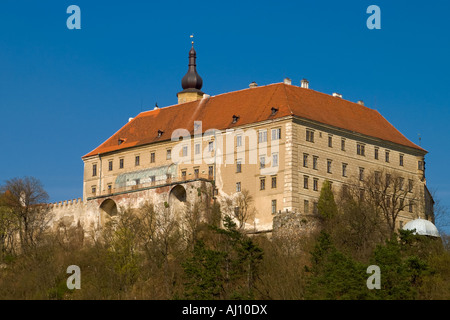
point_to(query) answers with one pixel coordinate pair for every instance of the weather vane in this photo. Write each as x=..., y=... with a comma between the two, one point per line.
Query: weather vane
x=192, y=37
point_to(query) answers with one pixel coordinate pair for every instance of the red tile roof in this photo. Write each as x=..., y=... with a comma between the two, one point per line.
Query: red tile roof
x=253, y=105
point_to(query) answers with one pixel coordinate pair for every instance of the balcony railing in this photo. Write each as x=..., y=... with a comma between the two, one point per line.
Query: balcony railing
x=153, y=184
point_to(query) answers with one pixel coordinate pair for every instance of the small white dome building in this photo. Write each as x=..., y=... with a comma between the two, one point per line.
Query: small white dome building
x=423, y=227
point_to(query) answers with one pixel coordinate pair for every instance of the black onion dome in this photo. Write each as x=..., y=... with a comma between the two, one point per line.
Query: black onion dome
x=191, y=79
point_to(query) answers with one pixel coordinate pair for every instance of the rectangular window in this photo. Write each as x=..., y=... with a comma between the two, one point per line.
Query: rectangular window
x=109, y=188
x=197, y=148
x=120, y=163
x=239, y=141
x=401, y=160
x=262, y=162
x=110, y=165
x=360, y=149
x=152, y=180
x=183, y=175
x=238, y=166
x=185, y=151
x=306, y=206
x=274, y=206
x=262, y=136
x=420, y=165
x=376, y=153
x=377, y=177
x=305, y=182
x=262, y=184
x=410, y=185
x=315, y=160
x=361, y=174
x=401, y=182
x=388, y=179
x=329, y=166
x=344, y=169
x=345, y=189
x=316, y=184
x=138, y=181
x=315, y=207
x=276, y=134
x=238, y=187
x=274, y=182
x=168, y=154
x=343, y=144
x=196, y=172
x=152, y=157
x=210, y=172
x=410, y=206
x=309, y=135
x=387, y=156
x=94, y=189
x=210, y=146
x=136, y=160
x=330, y=141
x=305, y=160
x=94, y=170
x=275, y=160
x=362, y=193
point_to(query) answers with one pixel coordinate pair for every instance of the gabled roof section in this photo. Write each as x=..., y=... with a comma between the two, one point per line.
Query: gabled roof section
x=251, y=106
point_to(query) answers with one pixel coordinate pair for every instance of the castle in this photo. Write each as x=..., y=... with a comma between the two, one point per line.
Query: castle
x=278, y=141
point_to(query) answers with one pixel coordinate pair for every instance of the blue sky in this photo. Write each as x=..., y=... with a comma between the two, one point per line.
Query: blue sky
x=63, y=92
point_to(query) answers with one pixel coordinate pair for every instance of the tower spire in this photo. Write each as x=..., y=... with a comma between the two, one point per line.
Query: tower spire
x=191, y=82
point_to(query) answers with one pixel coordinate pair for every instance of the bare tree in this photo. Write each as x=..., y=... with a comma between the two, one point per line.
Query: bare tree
x=441, y=214
x=26, y=198
x=191, y=223
x=388, y=193
x=9, y=228
x=359, y=225
x=161, y=232
x=240, y=207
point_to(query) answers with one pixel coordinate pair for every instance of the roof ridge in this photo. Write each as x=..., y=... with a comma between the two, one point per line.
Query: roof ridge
x=218, y=95
x=302, y=102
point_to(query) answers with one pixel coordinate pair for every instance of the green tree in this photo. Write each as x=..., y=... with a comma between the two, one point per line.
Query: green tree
x=334, y=275
x=204, y=273
x=225, y=264
x=121, y=238
x=326, y=206
x=402, y=269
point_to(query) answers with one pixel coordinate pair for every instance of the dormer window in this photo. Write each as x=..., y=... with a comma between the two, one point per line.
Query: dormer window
x=160, y=133
x=273, y=111
x=235, y=118
x=120, y=141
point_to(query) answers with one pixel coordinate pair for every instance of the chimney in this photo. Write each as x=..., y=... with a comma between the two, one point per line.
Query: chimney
x=338, y=95
x=304, y=84
x=360, y=102
x=253, y=85
x=287, y=81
